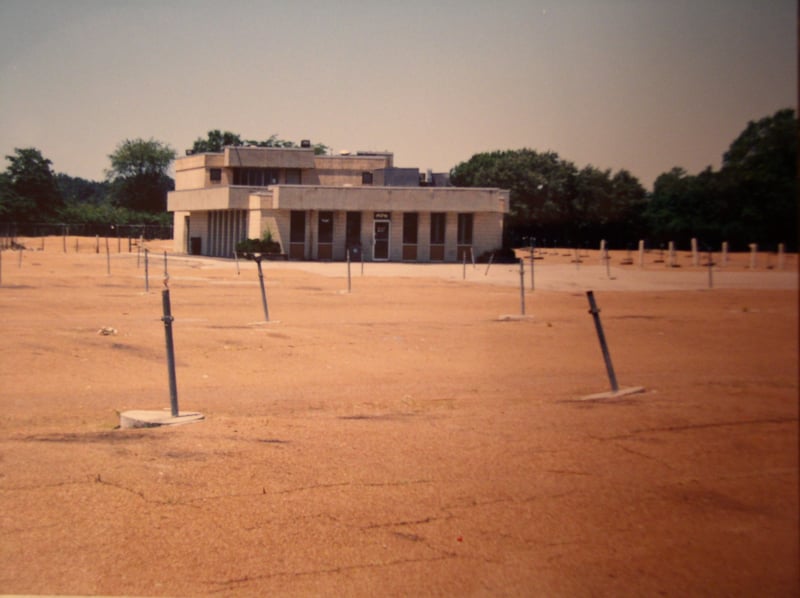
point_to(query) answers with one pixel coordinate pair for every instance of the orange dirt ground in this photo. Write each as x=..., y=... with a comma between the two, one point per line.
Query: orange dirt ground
x=402, y=439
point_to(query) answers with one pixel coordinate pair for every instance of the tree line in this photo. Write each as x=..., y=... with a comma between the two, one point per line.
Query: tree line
x=134, y=190
x=751, y=198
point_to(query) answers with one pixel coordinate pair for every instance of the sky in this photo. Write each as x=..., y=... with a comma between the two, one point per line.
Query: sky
x=640, y=85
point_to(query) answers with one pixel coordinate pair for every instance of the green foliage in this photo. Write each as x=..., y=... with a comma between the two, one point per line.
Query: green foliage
x=138, y=175
x=266, y=244
x=752, y=198
x=28, y=190
x=78, y=190
x=551, y=198
x=216, y=141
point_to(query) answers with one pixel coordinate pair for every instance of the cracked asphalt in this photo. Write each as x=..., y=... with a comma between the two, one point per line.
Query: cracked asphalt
x=400, y=439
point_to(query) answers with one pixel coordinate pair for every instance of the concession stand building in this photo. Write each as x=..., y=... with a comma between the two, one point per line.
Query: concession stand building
x=320, y=206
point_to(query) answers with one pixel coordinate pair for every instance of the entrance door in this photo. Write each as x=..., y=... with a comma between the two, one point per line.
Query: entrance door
x=381, y=240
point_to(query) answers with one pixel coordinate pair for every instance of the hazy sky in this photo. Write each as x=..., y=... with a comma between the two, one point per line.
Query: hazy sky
x=643, y=85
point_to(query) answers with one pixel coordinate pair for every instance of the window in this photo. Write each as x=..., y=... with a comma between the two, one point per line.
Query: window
x=465, y=229
x=325, y=234
x=293, y=176
x=255, y=177
x=410, y=220
x=438, y=222
x=215, y=174
x=366, y=178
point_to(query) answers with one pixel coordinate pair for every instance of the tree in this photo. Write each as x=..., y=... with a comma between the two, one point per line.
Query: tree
x=216, y=141
x=28, y=191
x=138, y=174
x=752, y=198
x=551, y=198
x=760, y=172
x=77, y=190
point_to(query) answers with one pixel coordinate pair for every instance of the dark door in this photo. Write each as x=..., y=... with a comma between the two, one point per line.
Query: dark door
x=381, y=230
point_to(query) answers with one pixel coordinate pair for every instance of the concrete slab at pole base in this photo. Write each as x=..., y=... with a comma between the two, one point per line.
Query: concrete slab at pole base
x=512, y=318
x=153, y=419
x=613, y=394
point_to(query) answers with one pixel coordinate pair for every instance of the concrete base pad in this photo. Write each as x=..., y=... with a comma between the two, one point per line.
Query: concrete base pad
x=512, y=318
x=153, y=419
x=611, y=394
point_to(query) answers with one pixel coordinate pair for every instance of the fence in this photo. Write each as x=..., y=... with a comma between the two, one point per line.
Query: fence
x=11, y=231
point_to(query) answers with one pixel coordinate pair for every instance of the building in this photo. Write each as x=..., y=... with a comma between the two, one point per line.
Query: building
x=317, y=207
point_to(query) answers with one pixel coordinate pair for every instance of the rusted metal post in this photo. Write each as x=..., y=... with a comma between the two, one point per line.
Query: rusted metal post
x=593, y=309
x=173, y=385
x=257, y=259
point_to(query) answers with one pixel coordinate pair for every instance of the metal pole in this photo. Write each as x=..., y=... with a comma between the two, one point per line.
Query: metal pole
x=108, y=259
x=533, y=250
x=257, y=259
x=166, y=271
x=173, y=385
x=464, y=266
x=522, y=286
x=146, y=271
x=489, y=265
x=593, y=309
x=348, y=270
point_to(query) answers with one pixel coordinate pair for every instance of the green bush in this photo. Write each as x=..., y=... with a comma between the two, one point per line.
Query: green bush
x=263, y=245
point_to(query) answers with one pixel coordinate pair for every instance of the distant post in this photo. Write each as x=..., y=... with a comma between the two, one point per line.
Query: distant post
x=753, y=255
x=522, y=286
x=146, y=272
x=349, y=286
x=724, y=258
x=641, y=253
x=533, y=251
